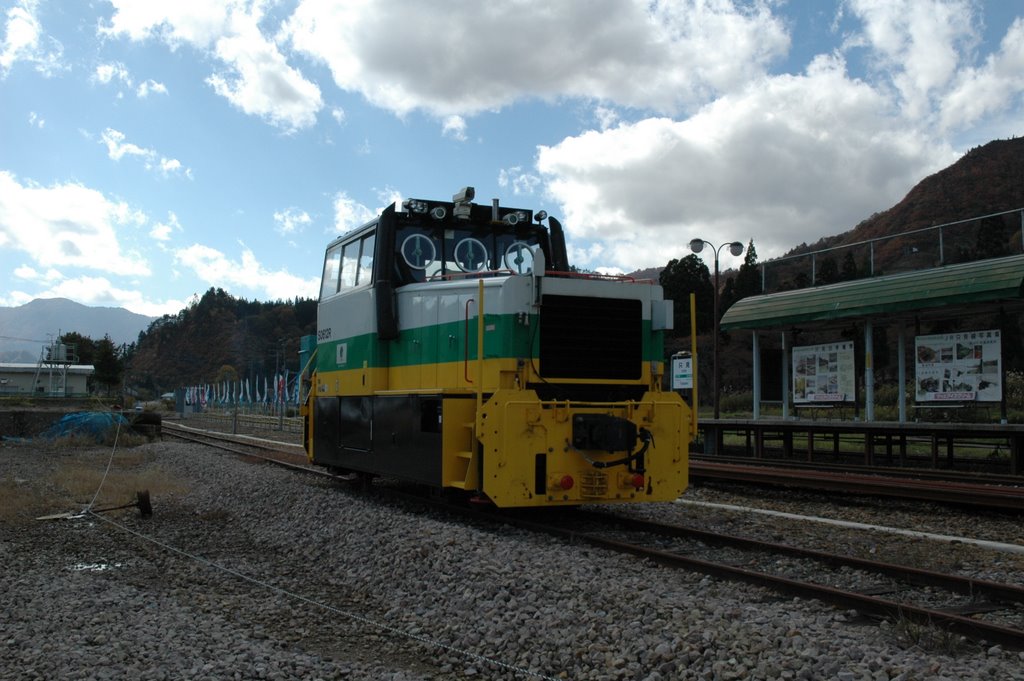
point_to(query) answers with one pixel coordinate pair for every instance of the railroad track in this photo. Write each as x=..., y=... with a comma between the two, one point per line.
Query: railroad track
x=979, y=610
x=958, y=604
x=272, y=451
x=985, y=491
x=941, y=475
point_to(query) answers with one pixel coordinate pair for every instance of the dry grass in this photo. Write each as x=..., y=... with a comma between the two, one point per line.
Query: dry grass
x=76, y=473
x=18, y=498
x=929, y=637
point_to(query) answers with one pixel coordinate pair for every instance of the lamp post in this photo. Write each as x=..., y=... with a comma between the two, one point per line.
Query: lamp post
x=735, y=248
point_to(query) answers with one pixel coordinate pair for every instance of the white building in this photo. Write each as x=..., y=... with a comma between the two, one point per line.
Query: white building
x=45, y=380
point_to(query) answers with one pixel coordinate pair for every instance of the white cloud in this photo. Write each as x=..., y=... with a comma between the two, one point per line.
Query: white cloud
x=338, y=114
x=291, y=220
x=788, y=160
x=256, y=79
x=919, y=44
x=117, y=148
x=195, y=22
x=216, y=269
x=662, y=55
x=260, y=82
x=150, y=86
x=67, y=225
x=24, y=41
x=606, y=117
x=105, y=73
x=519, y=181
x=990, y=88
x=162, y=231
x=349, y=213
x=35, y=120
x=454, y=127
x=26, y=272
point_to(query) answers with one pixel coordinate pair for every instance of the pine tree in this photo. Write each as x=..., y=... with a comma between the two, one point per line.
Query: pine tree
x=748, y=280
x=682, y=276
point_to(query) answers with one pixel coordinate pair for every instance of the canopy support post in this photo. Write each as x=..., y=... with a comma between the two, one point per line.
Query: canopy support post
x=757, y=376
x=902, y=368
x=869, y=373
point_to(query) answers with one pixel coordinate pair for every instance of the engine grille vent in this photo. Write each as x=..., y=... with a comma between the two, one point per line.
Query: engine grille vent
x=591, y=338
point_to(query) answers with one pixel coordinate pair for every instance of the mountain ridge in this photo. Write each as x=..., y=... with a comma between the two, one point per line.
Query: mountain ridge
x=26, y=328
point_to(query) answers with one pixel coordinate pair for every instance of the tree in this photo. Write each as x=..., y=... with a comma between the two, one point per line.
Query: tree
x=748, y=280
x=84, y=347
x=681, y=277
x=827, y=272
x=848, y=271
x=992, y=240
x=108, y=365
x=226, y=374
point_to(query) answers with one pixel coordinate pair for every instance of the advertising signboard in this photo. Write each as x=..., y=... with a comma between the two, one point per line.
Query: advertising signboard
x=959, y=366
x=823, y=373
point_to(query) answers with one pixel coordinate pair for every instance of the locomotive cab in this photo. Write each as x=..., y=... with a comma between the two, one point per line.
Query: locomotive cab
x=455, y=349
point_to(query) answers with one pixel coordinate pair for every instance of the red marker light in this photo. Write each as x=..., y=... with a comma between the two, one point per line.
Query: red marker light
x=566, y=482
x=638, y=480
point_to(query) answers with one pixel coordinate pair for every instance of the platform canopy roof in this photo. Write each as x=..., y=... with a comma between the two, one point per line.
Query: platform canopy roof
x=964, y=286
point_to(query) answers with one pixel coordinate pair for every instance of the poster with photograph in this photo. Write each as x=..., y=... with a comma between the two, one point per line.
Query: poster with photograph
x=823, y=373
x=960, y=366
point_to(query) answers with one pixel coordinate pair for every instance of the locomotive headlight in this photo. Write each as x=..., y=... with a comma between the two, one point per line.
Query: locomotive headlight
x=438, y=213
x=415, y=206
x=540, y=216
x=514, y=218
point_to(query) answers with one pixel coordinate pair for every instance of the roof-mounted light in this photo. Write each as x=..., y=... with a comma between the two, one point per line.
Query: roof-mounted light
x=540, y=216
x=514, y=218
x=438, y=212
x=415, y=206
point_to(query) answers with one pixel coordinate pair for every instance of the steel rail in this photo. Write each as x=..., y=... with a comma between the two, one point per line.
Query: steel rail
x=867, y=604
x=987, y=496
x=943, y=475
x=912, y=575
x=973, y=629
x=223, y=441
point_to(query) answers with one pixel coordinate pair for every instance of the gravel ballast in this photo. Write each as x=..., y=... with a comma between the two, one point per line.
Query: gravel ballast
x=248, y=571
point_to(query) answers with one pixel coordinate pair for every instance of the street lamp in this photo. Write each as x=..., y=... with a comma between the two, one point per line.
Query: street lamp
x=736, y=248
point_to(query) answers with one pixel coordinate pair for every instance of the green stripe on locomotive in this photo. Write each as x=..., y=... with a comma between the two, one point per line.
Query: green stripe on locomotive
x=505, y=337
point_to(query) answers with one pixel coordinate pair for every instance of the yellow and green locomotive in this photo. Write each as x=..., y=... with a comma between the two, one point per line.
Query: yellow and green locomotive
x=456, y=349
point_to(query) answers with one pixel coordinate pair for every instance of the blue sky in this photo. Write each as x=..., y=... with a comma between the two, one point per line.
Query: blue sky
x=151, y=150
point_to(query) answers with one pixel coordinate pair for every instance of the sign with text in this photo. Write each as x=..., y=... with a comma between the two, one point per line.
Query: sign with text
x=960, y=366
x=682, y=373
x=823, y=373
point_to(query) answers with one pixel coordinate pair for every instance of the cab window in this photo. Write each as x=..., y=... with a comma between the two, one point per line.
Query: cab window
x=332, y=268
x=365, y=260
x=357, y=262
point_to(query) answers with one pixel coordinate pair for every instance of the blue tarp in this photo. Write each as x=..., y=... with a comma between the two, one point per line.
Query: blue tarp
x=85, y=423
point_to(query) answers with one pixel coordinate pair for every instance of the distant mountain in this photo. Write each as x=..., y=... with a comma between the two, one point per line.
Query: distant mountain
x=26, y=328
